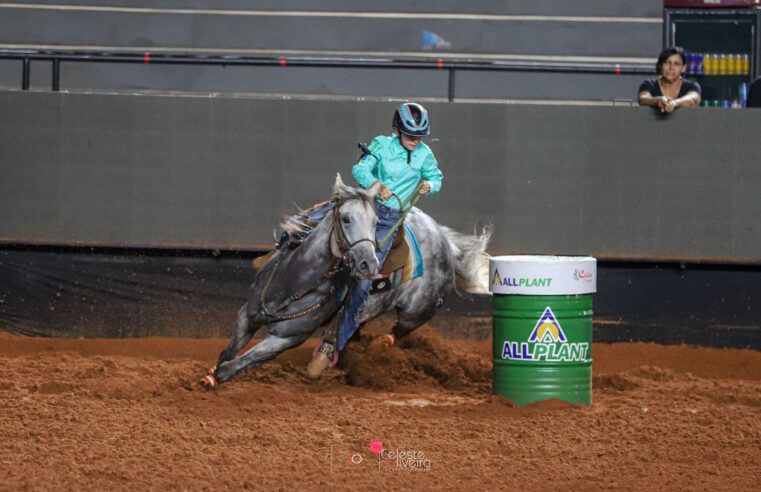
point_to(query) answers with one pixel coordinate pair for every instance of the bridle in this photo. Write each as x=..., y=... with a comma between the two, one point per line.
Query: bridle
x=343, y=243
x=339, y=264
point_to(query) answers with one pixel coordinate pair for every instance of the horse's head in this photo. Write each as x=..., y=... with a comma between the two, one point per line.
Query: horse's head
x=354, y=228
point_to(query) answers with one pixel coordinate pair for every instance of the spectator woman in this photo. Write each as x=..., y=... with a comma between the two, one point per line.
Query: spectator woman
x=670, y=90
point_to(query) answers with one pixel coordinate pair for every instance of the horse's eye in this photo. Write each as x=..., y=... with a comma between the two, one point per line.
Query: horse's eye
x=346, y=220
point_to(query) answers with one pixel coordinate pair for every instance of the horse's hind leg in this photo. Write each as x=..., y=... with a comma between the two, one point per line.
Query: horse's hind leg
x=265, y=350
x=408, y=321
x=242, y=335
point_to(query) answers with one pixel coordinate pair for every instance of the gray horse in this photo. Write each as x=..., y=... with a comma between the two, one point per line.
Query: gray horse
x=299, y=290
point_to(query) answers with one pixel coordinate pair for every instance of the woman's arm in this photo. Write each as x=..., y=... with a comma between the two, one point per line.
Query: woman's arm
x=692, y=98
x=647, y=99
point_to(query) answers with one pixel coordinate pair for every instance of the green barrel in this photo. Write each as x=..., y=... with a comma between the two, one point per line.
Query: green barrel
x=542, y=328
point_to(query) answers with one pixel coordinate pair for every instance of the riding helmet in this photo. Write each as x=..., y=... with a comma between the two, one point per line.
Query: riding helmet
x=412, y=119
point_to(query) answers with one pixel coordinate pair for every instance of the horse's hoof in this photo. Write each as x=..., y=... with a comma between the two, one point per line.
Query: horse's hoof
x=206, y=384
x=317, y=366
x=388, y=339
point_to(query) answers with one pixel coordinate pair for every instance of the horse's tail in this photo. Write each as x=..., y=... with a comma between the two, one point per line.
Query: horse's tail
x=471, y=261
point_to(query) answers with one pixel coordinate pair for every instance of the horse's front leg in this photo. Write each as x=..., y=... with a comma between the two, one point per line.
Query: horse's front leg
x=244, y=331
x=269, y=348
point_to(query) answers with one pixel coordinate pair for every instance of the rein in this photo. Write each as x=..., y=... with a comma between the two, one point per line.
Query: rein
x=338, y=264
x=417, y=196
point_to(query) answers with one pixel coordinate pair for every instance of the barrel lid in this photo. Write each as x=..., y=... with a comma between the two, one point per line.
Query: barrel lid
x=542, y=275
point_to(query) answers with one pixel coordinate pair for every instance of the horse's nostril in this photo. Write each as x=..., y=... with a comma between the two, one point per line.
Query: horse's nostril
x=363, y=267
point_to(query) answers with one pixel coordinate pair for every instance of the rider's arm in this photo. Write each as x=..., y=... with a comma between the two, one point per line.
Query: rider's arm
x=432, y=173
x=363, y=171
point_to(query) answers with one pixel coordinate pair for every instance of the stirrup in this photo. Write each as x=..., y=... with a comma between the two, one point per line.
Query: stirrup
x=330, y=351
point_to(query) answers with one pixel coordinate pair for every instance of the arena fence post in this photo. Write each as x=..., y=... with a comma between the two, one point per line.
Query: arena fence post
x=25, y=74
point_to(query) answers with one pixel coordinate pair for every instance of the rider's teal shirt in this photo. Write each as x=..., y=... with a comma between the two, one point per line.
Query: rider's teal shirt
x=397, y=168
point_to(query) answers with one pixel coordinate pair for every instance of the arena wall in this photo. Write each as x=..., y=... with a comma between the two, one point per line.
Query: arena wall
x=218, y=173
x=557, y=31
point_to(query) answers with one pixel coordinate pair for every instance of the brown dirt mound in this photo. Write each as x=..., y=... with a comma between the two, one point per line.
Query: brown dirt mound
x=422, y=360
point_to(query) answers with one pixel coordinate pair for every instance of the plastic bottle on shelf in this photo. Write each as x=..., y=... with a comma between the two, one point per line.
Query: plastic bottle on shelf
x=744, y=64
x=722, y=64
x=708, y=64
x=742, y=92
x=731, y=64
x=698, y=64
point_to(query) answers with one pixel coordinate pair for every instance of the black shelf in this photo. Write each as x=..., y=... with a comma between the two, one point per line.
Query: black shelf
x=716, y=32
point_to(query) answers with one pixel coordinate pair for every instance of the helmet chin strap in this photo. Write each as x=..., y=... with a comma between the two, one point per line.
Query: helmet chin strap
x=400, y=134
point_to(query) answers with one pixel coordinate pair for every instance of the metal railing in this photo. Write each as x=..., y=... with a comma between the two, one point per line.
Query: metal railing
x=452, y=66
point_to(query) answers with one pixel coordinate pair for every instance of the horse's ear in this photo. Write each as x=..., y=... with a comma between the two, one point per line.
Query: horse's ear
x=340, y=190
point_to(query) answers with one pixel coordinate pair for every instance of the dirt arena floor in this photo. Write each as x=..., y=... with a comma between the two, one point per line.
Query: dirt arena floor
x=120, y=415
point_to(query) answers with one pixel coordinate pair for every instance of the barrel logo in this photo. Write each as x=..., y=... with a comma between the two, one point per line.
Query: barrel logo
x=547, y=341
x=520, y=281
x=547, y=329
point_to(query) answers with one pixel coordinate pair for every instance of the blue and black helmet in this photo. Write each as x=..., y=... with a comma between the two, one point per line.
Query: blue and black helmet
x=412, y=119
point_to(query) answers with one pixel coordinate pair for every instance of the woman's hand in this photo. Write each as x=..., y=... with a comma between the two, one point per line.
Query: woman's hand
x=665, y=104
x=426, y=188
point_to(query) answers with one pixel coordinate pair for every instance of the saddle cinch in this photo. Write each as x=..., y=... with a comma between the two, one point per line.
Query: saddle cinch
x=403, y=262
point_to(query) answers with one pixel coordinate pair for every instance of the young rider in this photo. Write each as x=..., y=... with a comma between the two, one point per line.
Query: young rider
x=399, y=162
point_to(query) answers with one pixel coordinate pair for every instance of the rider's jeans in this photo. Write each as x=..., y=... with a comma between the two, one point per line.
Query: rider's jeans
x=360, y=289
x=314, y=214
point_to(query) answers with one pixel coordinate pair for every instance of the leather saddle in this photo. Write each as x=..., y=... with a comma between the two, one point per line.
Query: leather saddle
x=398, y=254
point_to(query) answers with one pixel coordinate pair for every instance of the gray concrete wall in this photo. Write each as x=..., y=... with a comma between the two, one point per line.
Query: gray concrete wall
x=326, y=81
x=616, y=182
x=623, y=8
x=559, y=29
x=146, y=30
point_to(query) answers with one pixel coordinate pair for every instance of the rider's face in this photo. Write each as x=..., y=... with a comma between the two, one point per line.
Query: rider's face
x=409, y=142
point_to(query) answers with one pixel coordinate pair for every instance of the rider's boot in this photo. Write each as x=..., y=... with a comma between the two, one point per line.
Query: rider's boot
x=282, y=240
x=324, y=356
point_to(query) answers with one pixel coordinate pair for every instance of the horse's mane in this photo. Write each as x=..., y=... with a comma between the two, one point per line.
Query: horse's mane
x=292, y=224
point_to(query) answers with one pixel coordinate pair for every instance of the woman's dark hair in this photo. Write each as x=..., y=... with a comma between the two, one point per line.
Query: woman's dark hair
x=666, y=54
